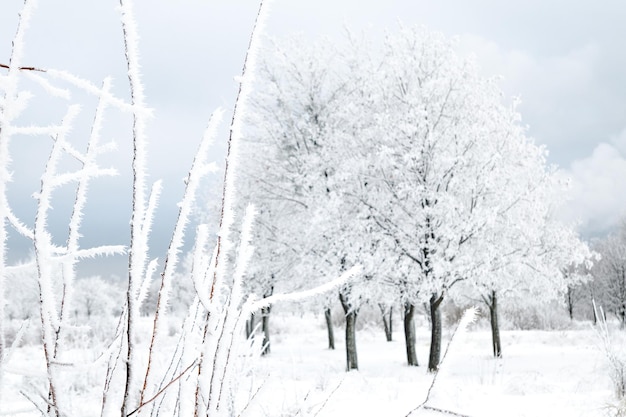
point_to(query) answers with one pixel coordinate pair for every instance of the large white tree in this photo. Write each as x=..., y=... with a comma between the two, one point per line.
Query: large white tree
x=299, y=138
x=451, y=178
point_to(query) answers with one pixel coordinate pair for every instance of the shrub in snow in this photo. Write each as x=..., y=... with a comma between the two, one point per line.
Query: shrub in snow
x=612, y=347
x=548, y=316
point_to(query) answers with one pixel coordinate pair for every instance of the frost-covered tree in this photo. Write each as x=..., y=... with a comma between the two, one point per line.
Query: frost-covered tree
x=610, y=274
x=532, y=246
x=297, y=137
x=451, y=177
x=579, y=282
x=24, y=298
x=96, y=297
x=431, y=146
x=273, y=263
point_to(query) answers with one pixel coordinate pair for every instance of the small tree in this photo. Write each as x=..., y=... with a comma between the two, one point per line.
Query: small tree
x=610, y=274
x=534, y=246
x=96, y=297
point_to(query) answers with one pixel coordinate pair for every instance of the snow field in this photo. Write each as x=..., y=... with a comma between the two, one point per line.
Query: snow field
x=542, y=373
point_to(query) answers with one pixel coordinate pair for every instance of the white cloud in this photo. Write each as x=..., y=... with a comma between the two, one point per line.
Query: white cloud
x=598, y=188
x=563, y=99
x=619, y=141
x=524, y=70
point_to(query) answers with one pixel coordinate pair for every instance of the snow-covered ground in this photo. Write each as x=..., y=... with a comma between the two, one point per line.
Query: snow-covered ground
x=542, y=373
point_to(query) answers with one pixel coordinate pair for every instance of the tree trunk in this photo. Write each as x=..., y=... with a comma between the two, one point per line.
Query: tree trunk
x=495, y=328
x=435, y=333
x=250, y=323
x=595, y=313
x=570, y=302
x=265, y=323
x=387, y=316
x=351, y=355
x=409, y=333
x=351, y=314
x=329, y=326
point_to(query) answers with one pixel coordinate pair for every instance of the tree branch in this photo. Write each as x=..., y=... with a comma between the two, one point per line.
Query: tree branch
x=24, y=68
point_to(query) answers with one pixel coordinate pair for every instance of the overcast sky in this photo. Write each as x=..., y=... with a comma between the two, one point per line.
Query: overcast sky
x=565, y=59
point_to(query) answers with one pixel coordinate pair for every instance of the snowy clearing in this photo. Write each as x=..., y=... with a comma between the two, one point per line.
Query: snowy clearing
x=542, y=373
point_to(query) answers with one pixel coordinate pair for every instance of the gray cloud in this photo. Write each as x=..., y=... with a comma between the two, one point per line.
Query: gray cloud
x=563, y=58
